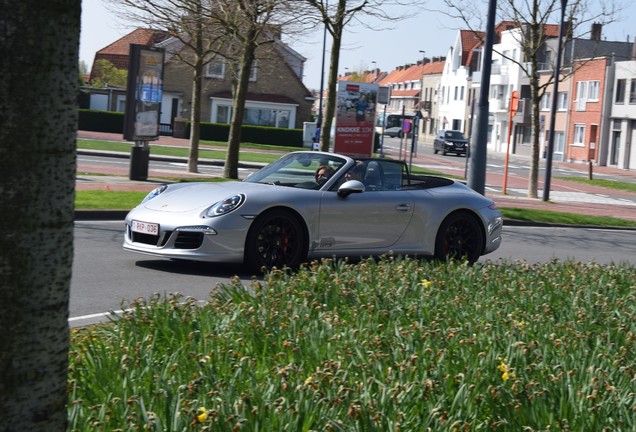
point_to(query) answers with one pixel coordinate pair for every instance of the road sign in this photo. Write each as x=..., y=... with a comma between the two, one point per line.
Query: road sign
x=406, y=126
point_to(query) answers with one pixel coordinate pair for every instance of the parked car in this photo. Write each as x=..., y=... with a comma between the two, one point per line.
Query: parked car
x=284, y=214
x=450, y=141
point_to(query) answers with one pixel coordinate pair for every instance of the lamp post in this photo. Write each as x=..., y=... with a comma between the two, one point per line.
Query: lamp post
x=555, y=96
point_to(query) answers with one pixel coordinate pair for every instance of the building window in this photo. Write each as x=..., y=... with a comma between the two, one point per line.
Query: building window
x=215, y=69
x=593, y=90
x=258, y=116
x=620, y=91
x=456, y=92
x=579, y=135
x=632, y=91
x=581, y=90
x=545, y=102
x=562, y=102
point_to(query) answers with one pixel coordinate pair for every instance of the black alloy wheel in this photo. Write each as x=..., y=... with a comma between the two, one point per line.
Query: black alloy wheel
x=276, y=239
x=459, y=237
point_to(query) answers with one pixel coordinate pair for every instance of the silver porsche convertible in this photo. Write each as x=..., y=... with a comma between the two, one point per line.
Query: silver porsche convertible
x=311, y=205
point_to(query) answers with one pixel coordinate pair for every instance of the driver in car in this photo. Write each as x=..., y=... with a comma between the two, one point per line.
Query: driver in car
x=323, y=173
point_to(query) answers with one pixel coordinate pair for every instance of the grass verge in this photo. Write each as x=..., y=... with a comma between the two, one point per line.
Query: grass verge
x=249, y=152
x=547, y=216
x=389, y=345
x=610, y=184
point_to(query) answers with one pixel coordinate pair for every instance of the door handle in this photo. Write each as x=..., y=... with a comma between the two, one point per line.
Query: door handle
x=403, y=207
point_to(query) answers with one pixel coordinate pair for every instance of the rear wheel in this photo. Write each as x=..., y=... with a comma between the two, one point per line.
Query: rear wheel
x=459, y=237
x=276, y=239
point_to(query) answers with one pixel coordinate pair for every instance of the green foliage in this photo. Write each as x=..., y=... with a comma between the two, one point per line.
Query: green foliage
x=108, y=121
x=397, y=344
x=106, y=74
x=252, y=134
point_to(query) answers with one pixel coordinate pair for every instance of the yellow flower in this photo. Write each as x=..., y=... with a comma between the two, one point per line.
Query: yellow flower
x=426, y=283
x=506, y=374
x=309, y=379
x=202, y=414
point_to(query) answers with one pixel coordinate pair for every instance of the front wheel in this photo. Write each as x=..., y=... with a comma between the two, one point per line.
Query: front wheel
x=275, y=239
x=459, y=237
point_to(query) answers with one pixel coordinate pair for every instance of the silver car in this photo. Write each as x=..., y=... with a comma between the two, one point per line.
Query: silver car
x=310, y=205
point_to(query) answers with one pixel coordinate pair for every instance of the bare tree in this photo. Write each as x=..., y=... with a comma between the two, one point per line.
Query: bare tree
x=532, y=19
x=38, y=123
x=199, y=42
x=248, y=25
x=337, y=16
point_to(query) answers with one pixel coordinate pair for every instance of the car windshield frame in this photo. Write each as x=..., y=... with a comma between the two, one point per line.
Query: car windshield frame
x=298, y=169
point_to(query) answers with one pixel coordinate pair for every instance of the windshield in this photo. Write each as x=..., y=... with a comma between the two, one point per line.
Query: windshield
x=454, y=135
x=307, y=170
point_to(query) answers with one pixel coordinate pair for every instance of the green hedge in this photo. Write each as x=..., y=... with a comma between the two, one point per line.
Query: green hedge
x=113, y=122
x=101, y=121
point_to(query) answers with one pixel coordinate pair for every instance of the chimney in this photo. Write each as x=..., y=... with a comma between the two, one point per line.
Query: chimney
x=634, y=50
x=597, y=29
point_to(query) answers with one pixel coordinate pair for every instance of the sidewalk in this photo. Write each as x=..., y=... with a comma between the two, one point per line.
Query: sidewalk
x=565, y=196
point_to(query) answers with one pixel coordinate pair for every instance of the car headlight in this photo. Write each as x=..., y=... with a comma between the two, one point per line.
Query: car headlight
x=154, y=193
x=225, y=206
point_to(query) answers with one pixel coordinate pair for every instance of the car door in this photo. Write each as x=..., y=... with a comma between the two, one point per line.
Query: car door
x=363, y=221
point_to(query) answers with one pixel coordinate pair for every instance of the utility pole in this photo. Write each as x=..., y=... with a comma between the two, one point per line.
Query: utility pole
x=479, y=154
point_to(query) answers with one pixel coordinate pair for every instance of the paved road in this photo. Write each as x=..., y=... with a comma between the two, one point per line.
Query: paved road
x=104, y=275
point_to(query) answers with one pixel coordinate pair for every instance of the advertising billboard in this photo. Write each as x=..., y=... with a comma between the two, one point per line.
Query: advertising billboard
x=355, y=116
x=143, y=94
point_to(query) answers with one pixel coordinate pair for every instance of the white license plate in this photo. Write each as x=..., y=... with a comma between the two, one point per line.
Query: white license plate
x=145, y=227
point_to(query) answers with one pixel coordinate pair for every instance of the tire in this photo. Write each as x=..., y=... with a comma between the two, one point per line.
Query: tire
x=275, y=239
x=434, y=149
x=400, y=134
x=459, y=237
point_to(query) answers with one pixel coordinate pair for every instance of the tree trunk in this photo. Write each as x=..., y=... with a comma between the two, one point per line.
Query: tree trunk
x=195, y=118
x=332, y=92
x=38, y=124
x=195, y=115
x=238, y=111
x=535, y=41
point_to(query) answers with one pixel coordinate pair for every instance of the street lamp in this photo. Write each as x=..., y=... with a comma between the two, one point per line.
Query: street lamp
x=555, y=96
x=423, y=55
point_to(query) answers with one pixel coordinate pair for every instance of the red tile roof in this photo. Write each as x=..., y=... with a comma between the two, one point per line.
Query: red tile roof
x=436, y=67
x=470, y=40
x=117, y=52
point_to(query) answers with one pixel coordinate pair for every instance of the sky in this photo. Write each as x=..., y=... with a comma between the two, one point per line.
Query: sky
x=388, y=46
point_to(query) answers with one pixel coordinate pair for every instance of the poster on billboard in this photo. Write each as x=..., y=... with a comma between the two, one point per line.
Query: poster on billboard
x=355, y=116
x=143, y=93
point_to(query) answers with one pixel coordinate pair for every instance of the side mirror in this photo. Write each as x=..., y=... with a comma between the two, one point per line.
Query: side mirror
x=349, y=187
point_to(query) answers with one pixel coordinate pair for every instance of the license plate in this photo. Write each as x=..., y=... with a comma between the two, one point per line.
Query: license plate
x=145, y=227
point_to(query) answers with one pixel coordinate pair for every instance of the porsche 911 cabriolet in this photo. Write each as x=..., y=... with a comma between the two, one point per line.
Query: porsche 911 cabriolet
x=311, y=205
